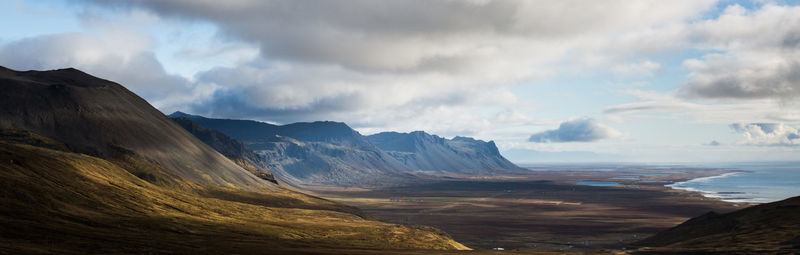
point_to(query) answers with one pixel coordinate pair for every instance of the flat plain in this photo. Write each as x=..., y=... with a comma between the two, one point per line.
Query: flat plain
x=563, y=209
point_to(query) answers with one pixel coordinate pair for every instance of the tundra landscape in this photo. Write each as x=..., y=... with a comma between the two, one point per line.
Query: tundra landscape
x=399, y=127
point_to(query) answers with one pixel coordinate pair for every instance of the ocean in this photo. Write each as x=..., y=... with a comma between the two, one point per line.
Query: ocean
x=754, y=183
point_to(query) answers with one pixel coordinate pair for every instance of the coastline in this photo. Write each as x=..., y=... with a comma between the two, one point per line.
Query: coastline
x=682, y=186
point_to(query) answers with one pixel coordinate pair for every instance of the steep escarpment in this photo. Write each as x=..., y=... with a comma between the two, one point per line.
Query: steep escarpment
x=102, y=118
x=229, y=147
x=421, y=151
x=313, y=153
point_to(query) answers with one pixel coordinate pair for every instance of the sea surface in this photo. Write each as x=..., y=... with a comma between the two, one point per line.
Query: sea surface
x=753, y=183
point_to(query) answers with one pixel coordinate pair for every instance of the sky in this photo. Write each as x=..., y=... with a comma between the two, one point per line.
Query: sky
x=632, y=81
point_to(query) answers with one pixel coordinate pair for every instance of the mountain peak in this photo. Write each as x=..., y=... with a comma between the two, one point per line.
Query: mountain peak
x=59, y=78
x=422, y=151
x=180, y=114
x=101, y=118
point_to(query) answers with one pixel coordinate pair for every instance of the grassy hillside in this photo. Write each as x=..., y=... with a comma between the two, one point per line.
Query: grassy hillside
x=56, y=201
x=765, y=228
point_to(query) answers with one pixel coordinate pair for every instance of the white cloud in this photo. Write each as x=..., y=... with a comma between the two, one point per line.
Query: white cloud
x=577, y=130
x=768, y=134
x=644, y=68
x=407, y=64
x=124, y=58
x=668, y=105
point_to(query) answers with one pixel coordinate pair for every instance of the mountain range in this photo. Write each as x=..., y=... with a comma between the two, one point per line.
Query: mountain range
x=314, y=153
x=332, y=153
x=422, y=151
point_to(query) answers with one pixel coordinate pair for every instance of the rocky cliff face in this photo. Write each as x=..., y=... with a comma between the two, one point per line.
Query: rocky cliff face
x=421, y=151
x=231, y=148
x=102, y=118
x=314, y=153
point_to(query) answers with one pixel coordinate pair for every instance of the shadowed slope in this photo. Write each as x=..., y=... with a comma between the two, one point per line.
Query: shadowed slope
x=102, y=118
x=313, y=153
x=229, y=147
x=56, y=201
x=105, y=172
x=768, y=227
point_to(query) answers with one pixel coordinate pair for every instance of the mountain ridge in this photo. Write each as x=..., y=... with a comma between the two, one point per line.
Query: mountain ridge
x=419, y=150
x=229, y=147
x=103, y=118
x=313, y=153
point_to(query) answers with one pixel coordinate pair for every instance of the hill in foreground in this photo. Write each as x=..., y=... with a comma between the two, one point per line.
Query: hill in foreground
x=101, y=118
x=89, y=167
x=765, y=228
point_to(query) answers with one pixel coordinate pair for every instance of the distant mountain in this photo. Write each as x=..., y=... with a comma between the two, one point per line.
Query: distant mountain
x=102, y=118
x=772, y=228
x=421, y=151
x=229, y=147
x=323, y=152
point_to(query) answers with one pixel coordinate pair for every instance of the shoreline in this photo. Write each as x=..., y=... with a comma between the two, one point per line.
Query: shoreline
x=713, y=194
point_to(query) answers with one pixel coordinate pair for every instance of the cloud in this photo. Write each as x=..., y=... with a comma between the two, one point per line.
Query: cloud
x=644, y=68
x=767, y=134
x=754, y=54
x=387, y=64
x=123, y=58
x=579, y=130
x=713, y=143
x=386, y=35
x=669, y=105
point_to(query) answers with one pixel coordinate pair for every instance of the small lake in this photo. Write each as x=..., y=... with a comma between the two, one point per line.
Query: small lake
x=598, y=184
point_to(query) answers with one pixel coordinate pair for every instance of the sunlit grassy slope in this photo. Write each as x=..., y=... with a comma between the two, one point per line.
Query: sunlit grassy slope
x=57, y=201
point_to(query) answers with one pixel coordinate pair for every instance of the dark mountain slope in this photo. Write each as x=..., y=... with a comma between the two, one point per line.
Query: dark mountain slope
x=86, y=166
x=766, y=228
x=104, y=119
x=58, y=202
x=254, y=132
x=421, y=151
x=229, y=147
x=323, y=152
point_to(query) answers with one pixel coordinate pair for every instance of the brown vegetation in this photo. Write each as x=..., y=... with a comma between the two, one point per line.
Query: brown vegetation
x=62, y=202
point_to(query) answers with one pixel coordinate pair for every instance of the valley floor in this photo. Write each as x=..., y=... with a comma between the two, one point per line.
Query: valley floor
x=544, y=210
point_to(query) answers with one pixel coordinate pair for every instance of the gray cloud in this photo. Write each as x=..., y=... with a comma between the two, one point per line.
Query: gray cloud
x=386, y=35
x=746, y=82
x=650, y=106
x=579, y=130
x=755, y=55
x=713, y=143
x=123, y=59
x=393, y=63
x=767, y=134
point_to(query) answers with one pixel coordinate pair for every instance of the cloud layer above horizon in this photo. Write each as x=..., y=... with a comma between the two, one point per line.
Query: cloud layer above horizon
x=493, y=69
